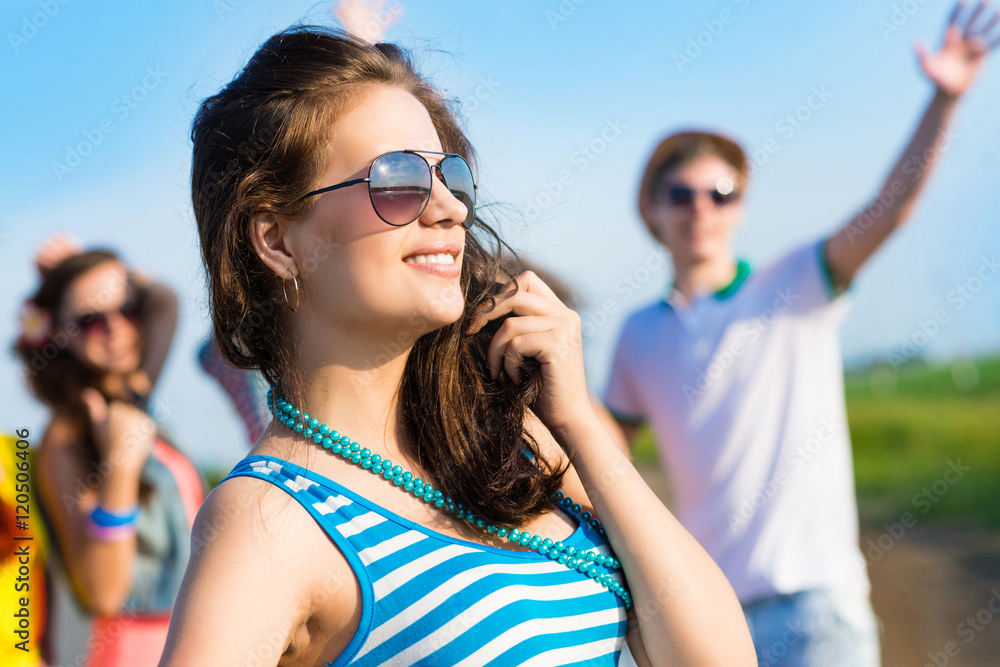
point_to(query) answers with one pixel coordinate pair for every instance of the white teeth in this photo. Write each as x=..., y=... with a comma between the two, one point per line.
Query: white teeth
x=442, y=258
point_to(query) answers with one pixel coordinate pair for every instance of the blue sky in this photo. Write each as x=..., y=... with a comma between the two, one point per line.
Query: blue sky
x=100, y=98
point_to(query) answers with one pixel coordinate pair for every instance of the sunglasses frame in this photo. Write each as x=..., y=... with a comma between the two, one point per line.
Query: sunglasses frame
x=430, y=169
x=131, y=309
x=666, y=196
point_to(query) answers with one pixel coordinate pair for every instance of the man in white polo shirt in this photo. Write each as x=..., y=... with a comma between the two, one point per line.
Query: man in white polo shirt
x=738, y=371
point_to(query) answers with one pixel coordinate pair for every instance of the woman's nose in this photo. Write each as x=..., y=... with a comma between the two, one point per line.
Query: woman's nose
x=443, y=205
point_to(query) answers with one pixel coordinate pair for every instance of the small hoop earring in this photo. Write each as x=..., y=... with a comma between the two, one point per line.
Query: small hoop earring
x=295, y=281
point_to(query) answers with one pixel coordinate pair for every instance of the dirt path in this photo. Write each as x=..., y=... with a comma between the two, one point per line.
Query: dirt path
x=932, y=588
x=933, y=591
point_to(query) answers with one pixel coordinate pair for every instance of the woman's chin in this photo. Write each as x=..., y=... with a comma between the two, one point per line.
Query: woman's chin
x=444, y=307
x=122, y=365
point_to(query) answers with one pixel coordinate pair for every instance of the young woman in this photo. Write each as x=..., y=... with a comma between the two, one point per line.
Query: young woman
x=118, y=499
x=404, y=507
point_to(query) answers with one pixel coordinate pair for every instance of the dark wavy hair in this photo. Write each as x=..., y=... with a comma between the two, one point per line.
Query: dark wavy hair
x=258, y=146
x=53, y=373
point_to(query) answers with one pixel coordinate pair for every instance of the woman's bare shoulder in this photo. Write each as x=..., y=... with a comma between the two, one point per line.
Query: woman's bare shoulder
x=264, y=568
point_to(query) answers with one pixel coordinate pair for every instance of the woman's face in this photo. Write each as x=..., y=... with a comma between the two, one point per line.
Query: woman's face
x=354, y=269
x=701, y=229
x=100, y=336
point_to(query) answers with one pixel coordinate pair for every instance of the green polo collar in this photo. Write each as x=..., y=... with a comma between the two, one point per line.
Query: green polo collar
x=742, y=273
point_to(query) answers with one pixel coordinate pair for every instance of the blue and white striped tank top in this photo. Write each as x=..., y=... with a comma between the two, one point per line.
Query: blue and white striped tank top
x=433, y=600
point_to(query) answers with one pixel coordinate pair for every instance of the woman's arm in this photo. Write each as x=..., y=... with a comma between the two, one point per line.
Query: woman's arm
x=159, y=322
x=101, y=571
x=952, y=71
x=263, y=584
x=687, y=612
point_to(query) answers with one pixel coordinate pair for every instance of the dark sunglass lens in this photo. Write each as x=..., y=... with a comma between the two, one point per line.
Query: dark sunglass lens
x=458, y=179
x=90, y=323
x=721, y=199
x=400, y=187
x=680, y=196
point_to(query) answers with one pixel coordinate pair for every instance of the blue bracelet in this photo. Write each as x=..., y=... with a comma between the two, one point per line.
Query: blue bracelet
x=105, y=519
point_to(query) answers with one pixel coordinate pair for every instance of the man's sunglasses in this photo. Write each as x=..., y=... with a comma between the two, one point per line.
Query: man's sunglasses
x=399, y=185
x=100, y=320
x=681, y=195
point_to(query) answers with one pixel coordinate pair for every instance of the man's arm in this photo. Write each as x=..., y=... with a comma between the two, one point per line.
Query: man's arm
x=952, y=71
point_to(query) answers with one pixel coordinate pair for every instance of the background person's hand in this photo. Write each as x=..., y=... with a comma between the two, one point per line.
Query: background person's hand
x=54, y=250
x=968, y=38
x=124, y=434
x=368, y=19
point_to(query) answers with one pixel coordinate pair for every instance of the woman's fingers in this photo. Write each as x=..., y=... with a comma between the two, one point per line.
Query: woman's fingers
x=519, y=347
x=509, y=347
x=533, y=297
x=532, y=283
x=97, y=407
x=501, y=354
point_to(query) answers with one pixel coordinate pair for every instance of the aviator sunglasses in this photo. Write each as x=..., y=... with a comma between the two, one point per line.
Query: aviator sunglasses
x=682, y=195
x=399, y=185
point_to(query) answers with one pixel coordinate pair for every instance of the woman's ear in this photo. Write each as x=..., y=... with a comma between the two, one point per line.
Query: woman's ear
x=267, y=234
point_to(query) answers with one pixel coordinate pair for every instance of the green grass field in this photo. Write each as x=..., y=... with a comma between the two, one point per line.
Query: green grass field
x=906, y=427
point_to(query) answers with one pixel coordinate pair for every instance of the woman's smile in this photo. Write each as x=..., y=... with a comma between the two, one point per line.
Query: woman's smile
x=443, y=258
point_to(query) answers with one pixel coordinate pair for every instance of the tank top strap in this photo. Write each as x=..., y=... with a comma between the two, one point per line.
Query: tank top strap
x=355, y=523
x=427, y=593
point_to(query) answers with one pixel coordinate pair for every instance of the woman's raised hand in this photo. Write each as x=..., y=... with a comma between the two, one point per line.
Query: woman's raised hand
x=368, y=19
x=968, y=37
x=54, y=250
x=124, y=434
x=546, y=330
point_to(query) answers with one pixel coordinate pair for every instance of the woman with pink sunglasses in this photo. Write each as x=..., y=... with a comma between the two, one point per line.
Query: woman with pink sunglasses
x=117, y=497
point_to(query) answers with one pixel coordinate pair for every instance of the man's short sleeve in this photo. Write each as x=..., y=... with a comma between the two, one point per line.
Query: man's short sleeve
x=802, y=279
x=621, y=396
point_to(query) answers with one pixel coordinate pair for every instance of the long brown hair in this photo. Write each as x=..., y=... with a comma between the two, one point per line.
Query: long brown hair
x=258, y=146
x=52, y=371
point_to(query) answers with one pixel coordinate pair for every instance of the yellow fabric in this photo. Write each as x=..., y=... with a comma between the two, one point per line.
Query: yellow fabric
x=21, y=576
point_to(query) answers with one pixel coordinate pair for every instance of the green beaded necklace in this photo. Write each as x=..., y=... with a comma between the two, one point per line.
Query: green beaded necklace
x=585, y=562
